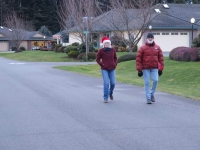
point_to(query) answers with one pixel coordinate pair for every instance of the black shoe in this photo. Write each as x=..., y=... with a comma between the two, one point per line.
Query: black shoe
x=111, y=97
x=149, y=102
x=153, y=98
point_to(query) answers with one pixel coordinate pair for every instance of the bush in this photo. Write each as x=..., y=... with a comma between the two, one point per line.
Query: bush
x=91, y=56
x=82, y=48
x=73, y=54
x=117, y=41
x=121, y=49
x=14, y=48
x=134, y=48
x=80, y=56
x=22, y=48
x=71, y=48
x=75, y=44
x=126, y=57
x=57, y=46
x=196, y=41
x=61, y=49
x=184, y=54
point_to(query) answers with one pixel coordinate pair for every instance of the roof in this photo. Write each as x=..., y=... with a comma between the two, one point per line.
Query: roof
x=29, y=35
x=177, y=16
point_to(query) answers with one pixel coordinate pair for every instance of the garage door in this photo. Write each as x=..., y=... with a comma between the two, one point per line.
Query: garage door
x=170, y=40
x=3, y=46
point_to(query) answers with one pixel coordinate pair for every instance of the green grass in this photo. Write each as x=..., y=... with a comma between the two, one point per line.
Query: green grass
x=38, y=56
x=179, y=78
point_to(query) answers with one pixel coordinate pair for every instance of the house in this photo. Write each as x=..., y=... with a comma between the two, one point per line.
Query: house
x=31, y=40
x=170, y=24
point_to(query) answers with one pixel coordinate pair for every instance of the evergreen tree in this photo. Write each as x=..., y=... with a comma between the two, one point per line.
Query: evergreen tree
x=44, y=30
x=179, y=1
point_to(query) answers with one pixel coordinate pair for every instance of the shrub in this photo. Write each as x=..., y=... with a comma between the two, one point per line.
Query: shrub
x=121, y=49
x=196, y=41
x=57, y=46
x=61, y=49
x=14, y=48
x=92, y=55
x=73, y=54
x=80, y=56
x=75, y=44
x=22, y=48
x=71, y=48
x=82, y=48
x=134, y=48
x=117, y=41
x=184, y=54
x=126, y=57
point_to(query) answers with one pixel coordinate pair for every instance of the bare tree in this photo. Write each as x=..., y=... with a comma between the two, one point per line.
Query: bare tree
x=17, y=29
x=76, y=16
x=129, y=18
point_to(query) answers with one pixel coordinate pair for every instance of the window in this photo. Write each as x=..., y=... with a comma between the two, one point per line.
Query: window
x=156, y=33
x=183, y=33
x=107, y=34
x=165, y=33
x=174, y=33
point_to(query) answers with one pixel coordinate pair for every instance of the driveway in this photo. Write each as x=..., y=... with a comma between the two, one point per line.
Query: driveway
x=42, y=108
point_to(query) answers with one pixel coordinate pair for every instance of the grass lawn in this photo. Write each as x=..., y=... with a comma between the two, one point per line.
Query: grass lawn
x=179, y=78
x=38, y=56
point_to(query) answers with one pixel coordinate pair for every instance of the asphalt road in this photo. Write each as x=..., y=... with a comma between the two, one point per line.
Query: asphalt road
x=42, y=108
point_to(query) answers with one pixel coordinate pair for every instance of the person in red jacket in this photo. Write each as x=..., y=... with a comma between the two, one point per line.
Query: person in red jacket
x=149, y=64
x=107, y=59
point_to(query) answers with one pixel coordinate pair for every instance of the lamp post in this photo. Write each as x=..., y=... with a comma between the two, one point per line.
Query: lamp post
x=44, y=40
x=150, y=27
x=192, y=20
x=85, y=19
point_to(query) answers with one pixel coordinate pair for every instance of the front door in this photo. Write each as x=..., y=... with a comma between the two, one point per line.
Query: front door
x=95, y=40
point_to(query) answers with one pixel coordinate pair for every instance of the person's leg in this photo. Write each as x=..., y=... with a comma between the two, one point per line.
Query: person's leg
x=112, y=78
x=154, y=76
x=105, y=83
x=146, y=77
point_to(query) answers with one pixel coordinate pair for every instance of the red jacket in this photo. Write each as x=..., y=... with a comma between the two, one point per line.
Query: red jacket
x=107, y=59
x=148, y=57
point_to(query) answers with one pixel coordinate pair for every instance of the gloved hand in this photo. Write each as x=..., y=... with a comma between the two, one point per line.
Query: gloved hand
x=140, y=73
x=159, y=72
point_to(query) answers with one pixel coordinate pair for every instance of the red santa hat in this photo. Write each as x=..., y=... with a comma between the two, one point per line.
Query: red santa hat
x=104, y=40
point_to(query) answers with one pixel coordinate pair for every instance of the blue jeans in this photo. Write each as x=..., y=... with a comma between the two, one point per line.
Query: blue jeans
x=149, y=74
x=109, y=82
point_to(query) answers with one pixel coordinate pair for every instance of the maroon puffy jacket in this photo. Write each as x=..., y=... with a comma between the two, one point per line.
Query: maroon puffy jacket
x=107, y=59
x=148, y=57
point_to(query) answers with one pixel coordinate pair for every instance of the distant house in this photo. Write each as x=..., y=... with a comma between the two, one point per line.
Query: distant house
x=170, y=25
x=33, y=40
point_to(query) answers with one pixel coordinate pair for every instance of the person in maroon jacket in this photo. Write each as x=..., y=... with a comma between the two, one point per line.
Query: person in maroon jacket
x=107, y=59
x=149, y=64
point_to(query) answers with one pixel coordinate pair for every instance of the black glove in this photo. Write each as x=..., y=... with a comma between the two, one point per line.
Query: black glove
x=140, y=73
x=160, y=72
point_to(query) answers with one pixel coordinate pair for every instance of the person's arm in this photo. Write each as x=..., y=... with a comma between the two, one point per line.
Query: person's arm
x=139, y=60
x=98, y=58
x=161, y=59
x=115, y=57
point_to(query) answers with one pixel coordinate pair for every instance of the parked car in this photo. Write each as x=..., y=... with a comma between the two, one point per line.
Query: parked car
x=35, y=48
